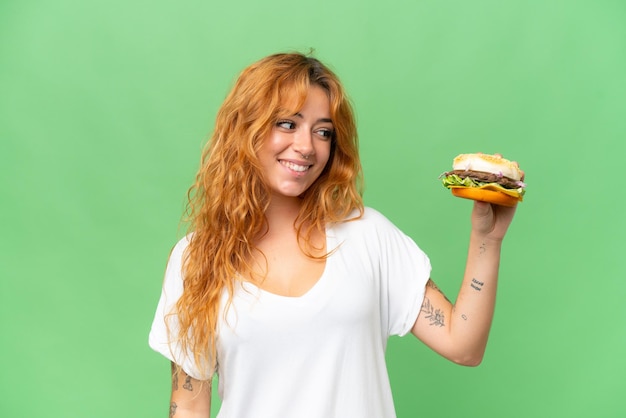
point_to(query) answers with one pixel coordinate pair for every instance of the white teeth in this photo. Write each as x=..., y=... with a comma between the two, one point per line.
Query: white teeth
x=295, y=167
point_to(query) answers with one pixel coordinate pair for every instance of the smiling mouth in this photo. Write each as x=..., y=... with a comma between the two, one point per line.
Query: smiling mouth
x=295, y=167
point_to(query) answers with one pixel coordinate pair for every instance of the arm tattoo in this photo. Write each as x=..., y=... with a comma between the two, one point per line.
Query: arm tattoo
x=435, y=316
x=433, y=286
x=187, y=384
x=174, y=377
x=173, y=407
x=483, y=248
x=477, y=285
x=175, y=382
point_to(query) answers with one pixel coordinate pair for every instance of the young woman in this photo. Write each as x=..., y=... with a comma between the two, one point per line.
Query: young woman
x=286, y=286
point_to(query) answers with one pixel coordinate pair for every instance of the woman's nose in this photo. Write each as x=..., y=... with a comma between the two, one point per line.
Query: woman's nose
x=303, y=143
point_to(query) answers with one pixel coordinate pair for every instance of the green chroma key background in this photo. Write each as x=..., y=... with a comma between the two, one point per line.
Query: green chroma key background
x=104, y=107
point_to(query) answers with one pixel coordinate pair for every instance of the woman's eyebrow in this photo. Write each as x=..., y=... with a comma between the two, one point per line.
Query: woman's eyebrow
x=327, y=120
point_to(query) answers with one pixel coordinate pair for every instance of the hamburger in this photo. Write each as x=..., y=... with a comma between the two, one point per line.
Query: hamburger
x=487, y=178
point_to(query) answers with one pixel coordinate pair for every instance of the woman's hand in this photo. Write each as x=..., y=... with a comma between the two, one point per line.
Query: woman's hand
x=491, y=221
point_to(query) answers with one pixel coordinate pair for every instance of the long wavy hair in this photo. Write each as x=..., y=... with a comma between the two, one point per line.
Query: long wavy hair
x=227, y=204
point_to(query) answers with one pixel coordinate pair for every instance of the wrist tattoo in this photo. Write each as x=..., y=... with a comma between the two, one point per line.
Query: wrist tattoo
x=435, y=316
x=173, y=407
x=464, y=317
x=477, y=285
x=483, y=248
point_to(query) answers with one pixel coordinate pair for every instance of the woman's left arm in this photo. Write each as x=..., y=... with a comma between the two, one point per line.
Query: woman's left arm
x=459, y=331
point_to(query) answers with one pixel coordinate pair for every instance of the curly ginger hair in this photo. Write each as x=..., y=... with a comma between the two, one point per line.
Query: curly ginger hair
x=227, y=203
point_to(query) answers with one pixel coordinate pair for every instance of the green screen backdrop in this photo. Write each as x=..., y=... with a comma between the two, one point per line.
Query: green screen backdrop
x=104, y=107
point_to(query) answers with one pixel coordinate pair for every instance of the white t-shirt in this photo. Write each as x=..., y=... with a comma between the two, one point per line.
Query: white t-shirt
x=322, y=354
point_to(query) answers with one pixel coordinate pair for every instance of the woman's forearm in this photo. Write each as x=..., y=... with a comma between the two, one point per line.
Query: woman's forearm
x=472, y=314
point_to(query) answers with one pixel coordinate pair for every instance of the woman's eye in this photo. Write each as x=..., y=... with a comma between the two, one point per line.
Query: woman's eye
x=326, y=133
x=285, y=124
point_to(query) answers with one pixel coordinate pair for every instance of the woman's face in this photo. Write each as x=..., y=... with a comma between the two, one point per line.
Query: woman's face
x=298, y=147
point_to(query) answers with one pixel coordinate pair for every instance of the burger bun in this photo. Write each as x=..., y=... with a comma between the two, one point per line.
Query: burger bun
x=495, y=164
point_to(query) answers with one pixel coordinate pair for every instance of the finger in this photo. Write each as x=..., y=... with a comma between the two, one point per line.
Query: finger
x=482, y=208
x=505, y=213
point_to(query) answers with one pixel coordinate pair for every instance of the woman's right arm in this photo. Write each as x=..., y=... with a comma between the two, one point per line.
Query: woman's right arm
x=191, y=398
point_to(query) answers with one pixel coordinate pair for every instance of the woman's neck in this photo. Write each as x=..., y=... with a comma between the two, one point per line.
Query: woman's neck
x=282, y=212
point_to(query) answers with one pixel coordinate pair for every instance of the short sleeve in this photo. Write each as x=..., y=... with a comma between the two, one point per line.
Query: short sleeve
x=164, y=330
x=404, y=271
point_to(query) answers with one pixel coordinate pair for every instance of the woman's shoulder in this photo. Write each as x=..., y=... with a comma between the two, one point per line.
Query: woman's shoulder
x=178, y=250
x=373, y=216
x=370, y=218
